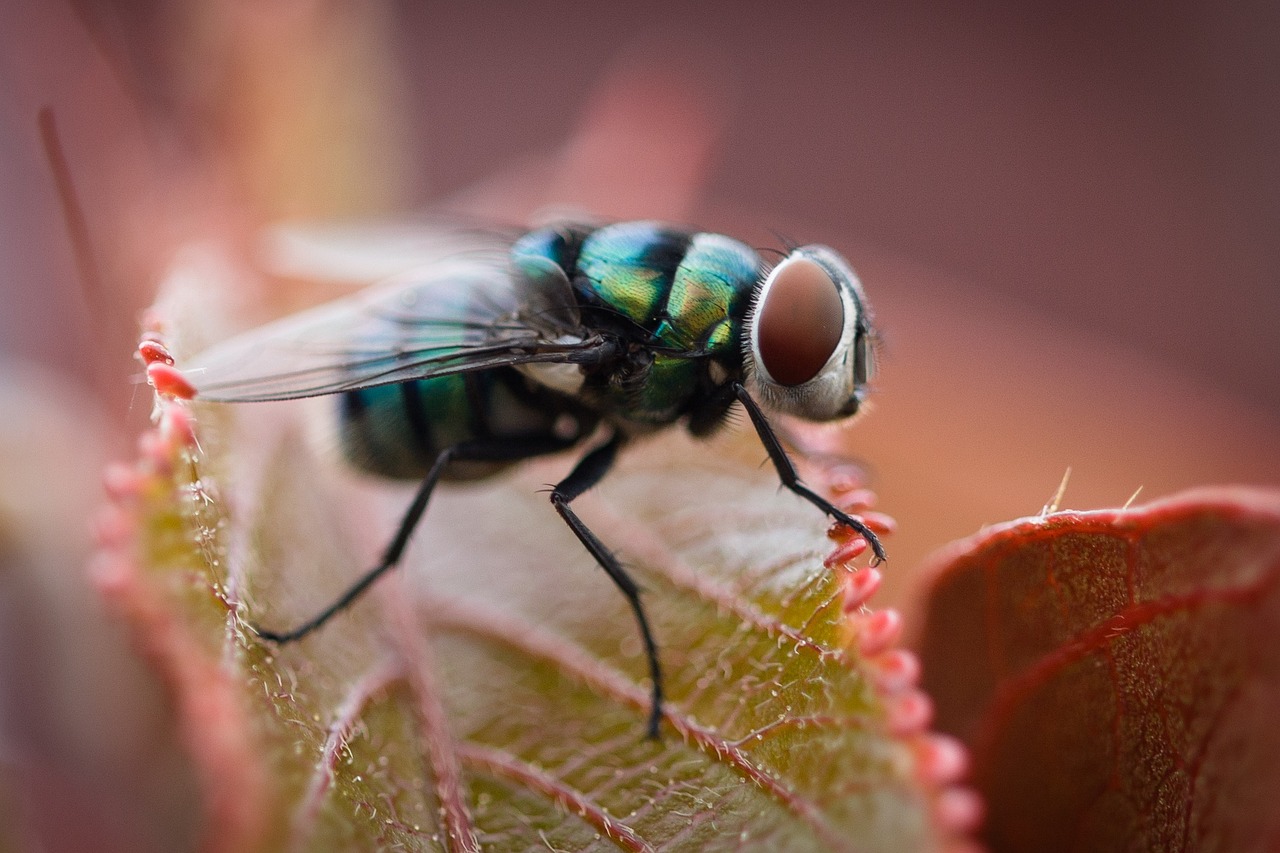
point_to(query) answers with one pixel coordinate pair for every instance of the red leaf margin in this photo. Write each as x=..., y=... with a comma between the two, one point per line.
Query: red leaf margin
x=212, y=720
x=1116, y=673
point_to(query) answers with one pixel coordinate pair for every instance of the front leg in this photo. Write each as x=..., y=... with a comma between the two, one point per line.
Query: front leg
x=787, y=473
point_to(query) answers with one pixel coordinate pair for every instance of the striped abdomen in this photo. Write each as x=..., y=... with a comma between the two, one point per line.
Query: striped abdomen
x=399, y=430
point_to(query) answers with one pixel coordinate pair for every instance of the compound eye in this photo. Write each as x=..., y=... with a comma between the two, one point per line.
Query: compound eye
x=799, y=321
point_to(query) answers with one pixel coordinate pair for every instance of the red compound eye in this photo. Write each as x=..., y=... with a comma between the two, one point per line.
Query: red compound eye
x=798, y=324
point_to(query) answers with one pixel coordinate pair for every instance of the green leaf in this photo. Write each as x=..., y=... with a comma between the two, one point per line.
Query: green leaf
x=492, y=693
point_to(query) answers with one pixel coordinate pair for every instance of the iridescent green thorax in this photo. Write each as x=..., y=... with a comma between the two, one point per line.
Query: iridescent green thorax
x=686, y=289
x=709, y=295
x=630, y=268
x=683, y=296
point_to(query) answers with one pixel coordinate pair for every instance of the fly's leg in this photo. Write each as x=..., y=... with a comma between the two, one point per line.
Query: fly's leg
x=586, y=474
x=475, y=451
x=787, y=473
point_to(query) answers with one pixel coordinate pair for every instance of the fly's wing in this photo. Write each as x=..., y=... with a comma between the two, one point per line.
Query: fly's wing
x=456, y=316
x=365, y=252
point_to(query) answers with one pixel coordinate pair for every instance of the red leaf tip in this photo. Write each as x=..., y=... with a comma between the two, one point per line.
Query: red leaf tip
x=112, y=526
x=877, y=631
x=859, y=586
x=152, y=351
x=170, y=381
x=895, y=671
x=846, y=552
x=177, y=427
x=941, y=759
x=121, y=481
x=908, y=713
x=960, y=810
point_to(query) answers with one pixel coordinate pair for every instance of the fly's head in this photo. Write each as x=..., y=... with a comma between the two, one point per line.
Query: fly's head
x=810, y=344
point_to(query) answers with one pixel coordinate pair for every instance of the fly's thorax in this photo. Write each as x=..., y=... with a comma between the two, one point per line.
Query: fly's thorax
x=627, y=270
x=673, y=301
x=809, y=337
x=687, y=290
x=709, y=296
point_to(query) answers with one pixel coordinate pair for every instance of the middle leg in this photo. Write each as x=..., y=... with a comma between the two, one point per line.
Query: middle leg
x=588, y=472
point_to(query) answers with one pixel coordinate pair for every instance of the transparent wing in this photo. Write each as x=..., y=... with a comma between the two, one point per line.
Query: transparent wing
x=364, y=252
x=466, y=314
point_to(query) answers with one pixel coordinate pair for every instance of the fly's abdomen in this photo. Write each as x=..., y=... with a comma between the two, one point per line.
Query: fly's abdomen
x=398, y=430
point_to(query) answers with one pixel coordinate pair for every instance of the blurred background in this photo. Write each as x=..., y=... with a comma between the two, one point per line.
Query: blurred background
x=1065, y=217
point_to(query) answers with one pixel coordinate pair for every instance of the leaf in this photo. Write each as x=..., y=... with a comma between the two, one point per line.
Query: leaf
x=1117, y=674
x=492, y=693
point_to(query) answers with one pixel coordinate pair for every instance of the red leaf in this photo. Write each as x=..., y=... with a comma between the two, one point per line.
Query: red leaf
x=1117, y=674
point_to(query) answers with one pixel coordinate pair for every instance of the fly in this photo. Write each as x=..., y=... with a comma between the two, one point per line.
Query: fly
x=474, y=363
